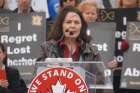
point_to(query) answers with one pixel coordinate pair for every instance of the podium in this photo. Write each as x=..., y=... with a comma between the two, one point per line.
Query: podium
x=92, y=72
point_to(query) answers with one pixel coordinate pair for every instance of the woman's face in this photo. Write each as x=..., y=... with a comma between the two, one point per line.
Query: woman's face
x=90, y=14
x=72, y=25
x=2, y=56
x=24, y=4
x=129, y=3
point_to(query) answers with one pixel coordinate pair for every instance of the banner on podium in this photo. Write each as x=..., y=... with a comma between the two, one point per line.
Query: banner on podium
x=58, y=80
x=93, y=73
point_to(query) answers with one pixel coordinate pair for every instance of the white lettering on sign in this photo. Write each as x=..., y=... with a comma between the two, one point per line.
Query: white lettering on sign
x=119, y=45
x=101, y=47
x=119, y=34
x=21, y=50
x=136, y=47
x=19, y=26
x=133, y=72
x=21, y=62
x=18, y=39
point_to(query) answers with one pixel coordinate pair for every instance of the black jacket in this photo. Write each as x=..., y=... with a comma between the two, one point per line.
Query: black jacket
x=52, y=49
x=87, y=53
x=16, y=84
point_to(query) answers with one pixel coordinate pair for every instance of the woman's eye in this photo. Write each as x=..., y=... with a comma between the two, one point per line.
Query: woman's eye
x=68, y=22
x=77, y=22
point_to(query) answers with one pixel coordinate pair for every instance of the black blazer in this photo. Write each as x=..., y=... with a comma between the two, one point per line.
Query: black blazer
x=16, y=84
x=16, y=10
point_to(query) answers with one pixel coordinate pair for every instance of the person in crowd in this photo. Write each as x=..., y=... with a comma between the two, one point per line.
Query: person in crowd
x=11, y=5
x=41, y=6
x=10, y=80
x=68, y=39
x=2, y=3
x=89, y=11
x=128, y=3
x=104, y=4
x=3, y=8
x=133, y=6
x=55, y=6
x=24, y=7
x=138, y=3
x=65, y=3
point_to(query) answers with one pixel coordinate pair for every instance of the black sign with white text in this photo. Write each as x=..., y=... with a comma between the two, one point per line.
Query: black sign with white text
x=23, y=39
x=130, y=77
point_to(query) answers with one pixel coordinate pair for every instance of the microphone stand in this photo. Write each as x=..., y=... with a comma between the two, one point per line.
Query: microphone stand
x=71, y=49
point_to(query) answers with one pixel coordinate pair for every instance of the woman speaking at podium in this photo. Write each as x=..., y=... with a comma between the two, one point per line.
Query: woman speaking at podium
x=68, y=39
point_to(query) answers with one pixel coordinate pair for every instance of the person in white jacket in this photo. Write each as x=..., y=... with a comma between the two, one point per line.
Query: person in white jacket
x=40, y=6
x=11, y=4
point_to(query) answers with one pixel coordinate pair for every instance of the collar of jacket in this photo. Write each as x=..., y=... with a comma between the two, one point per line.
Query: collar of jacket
x=87, y=48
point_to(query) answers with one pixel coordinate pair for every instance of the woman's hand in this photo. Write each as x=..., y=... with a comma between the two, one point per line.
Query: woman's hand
x=4, y=83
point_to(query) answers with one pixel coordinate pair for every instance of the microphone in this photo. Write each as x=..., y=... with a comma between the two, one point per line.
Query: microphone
x=69, y=32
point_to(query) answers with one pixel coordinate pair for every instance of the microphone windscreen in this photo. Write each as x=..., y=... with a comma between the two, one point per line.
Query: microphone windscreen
x=125, y=45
